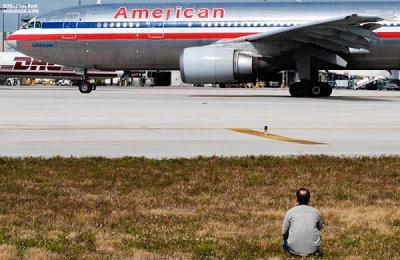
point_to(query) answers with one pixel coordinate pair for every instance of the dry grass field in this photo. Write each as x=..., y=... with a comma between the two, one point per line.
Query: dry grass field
x=228, y=208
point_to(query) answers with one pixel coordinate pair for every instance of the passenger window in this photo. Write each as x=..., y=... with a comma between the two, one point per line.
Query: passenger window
x=38, y=25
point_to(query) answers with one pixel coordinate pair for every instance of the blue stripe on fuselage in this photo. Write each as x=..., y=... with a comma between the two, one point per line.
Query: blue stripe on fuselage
x=226, y=24
x=185, y=24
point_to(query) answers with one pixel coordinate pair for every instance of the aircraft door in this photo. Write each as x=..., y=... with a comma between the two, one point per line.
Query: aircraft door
x=156, y=29
x=70, y=26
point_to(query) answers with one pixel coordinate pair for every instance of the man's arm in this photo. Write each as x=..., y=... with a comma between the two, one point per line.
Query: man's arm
x=285, y=227
x=320, y=223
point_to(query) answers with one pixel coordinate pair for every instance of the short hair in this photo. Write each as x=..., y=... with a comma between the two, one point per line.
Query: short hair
x=303, y=196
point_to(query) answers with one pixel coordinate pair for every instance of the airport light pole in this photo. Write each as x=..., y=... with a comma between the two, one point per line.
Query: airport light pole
x=2, y=31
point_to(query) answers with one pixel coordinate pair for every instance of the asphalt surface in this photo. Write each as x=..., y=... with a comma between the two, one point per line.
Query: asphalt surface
x=189, y=122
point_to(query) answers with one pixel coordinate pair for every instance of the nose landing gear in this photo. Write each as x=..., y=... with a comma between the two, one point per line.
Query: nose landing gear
x=85, y=87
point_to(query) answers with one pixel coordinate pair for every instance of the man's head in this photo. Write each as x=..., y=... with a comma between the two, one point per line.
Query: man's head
x=303, y=196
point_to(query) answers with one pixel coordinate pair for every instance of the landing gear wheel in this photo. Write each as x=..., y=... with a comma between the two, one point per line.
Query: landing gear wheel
x=316, y=90
x=85, y=87
x=296, y=89
x=326, y=90
x=94, y=87
x=300, y=89
x=308, y=89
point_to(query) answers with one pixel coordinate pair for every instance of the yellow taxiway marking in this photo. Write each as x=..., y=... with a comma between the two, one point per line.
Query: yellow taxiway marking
x=274, y=137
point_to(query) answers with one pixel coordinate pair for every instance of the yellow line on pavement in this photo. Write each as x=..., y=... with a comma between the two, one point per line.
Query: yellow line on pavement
x=273, y=137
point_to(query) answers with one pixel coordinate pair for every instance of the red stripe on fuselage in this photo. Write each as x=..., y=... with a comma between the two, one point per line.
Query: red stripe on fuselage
x=146, y=36
x=389, y=35
x=125, y=36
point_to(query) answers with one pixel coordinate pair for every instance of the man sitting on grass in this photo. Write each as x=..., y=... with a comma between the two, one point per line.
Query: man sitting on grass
x=301, y=227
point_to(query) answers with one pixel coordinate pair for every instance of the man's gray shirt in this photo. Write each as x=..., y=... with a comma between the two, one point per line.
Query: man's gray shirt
x=303, y=224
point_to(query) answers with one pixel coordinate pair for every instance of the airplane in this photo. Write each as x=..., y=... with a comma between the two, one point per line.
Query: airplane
x=18, y=65
x=221, y=42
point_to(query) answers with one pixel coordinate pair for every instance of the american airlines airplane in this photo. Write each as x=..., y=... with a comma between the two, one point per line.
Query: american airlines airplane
x=18, y=65
x=221, y=42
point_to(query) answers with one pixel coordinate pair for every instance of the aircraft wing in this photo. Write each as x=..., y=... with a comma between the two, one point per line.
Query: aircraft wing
x=337, y=35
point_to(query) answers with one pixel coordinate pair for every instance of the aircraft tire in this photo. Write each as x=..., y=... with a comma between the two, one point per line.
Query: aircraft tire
x=85, y=87
x=317, y=90
x=327, y=90
x=296, y=89
x=306, y=89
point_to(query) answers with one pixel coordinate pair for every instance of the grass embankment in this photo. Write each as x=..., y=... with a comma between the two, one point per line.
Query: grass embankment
x=231, y=208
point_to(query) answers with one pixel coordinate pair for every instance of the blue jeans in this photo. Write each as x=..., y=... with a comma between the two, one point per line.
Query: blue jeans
x=286, y=249
x=286, y=246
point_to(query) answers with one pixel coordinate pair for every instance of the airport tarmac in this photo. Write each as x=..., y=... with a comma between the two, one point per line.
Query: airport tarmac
x=190, y=122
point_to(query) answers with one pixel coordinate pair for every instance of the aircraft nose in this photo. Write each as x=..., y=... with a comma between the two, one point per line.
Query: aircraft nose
x=13, y=44
x=12, y=41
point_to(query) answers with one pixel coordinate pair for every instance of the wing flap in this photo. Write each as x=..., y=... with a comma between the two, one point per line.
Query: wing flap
x=338, y=34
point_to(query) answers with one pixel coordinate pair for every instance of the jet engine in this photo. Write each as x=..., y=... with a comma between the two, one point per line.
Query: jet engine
x=218, y=64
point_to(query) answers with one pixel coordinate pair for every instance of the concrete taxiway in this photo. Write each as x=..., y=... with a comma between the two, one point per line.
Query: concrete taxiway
x=189, y=122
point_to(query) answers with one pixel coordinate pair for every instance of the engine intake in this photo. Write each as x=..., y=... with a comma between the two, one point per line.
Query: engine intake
x=217, y=64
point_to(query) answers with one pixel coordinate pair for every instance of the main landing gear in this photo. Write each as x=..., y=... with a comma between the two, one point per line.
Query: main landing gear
x=85, y=87
x=309, y=86
x=306, y=88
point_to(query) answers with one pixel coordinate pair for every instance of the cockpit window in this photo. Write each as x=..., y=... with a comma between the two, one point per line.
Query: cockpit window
x=31, y=24
x=38, y=25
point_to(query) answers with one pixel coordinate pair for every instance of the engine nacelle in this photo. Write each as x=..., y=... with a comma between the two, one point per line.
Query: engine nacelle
x=216, y=64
